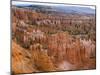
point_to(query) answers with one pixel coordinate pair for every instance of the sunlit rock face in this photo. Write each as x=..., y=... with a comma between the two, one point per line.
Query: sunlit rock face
x=21, y=60
x=25, y=61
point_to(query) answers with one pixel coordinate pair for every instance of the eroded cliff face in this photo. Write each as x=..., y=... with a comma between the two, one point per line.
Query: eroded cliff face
x=21, y=59
x=29, y=61
x=41, y=45
x=63, y=48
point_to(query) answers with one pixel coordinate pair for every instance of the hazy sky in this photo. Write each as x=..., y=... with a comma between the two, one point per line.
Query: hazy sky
x=49, y=4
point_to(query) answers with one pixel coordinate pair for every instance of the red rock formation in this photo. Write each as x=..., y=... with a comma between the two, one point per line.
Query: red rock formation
x=21, y=62
x=29, y=61
x=49, y=43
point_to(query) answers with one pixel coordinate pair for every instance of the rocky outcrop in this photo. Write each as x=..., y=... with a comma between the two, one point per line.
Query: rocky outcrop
x=21, y=60
x=30, y=61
